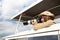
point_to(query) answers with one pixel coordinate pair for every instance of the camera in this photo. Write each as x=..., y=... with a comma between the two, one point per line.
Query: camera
x=30, y=21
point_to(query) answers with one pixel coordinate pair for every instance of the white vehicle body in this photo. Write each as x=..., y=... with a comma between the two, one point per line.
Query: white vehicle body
x=52, y=30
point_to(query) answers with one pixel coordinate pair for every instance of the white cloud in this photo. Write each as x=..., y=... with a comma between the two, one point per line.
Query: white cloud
x=25, y=27
x=0, y=3
x=7, y=27
x=10, y=7
x=57, y=20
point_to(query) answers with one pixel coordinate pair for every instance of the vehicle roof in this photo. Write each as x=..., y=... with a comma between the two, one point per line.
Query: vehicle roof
x=29, y=13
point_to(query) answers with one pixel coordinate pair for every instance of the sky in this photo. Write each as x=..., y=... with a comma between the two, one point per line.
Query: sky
x=9, y=8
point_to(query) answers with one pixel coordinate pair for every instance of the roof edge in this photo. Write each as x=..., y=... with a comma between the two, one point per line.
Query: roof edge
x=33, y=4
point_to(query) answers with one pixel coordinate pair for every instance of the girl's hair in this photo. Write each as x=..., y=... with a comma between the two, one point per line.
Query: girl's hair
x=52, y=18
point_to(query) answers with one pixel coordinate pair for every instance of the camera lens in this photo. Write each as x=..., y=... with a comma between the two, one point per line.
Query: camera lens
x=30, y=21
x=25, y=23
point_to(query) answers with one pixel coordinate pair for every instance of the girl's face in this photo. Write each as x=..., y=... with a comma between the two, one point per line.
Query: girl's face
x=44, y=18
